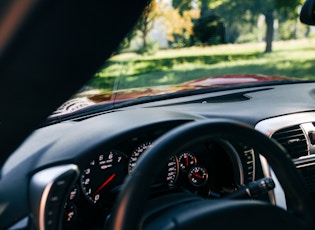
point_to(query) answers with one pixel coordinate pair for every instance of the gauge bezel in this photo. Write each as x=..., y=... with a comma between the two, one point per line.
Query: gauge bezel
x=172, y=167
x=136, y=153
x=204, y=177
x=192, y=160
x=172, y=163
x=109, y=170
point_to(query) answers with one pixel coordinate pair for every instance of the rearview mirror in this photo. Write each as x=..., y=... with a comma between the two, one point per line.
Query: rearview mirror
x=307, y=15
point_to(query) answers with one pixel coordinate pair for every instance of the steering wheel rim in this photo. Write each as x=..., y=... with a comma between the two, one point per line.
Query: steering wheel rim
x=130, y=204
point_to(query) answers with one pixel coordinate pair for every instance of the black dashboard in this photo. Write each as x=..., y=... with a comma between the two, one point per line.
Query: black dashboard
x=210, y=170
x=72, y=171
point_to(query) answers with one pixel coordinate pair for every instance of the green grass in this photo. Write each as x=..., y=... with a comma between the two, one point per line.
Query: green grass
x=289, y=58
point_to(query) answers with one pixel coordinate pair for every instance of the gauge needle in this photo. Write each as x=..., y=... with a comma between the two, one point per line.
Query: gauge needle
x=187, y=160
x=104, y=184
x=197, y=175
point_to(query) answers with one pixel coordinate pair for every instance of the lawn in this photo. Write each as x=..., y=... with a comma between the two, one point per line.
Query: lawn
x=289, y=58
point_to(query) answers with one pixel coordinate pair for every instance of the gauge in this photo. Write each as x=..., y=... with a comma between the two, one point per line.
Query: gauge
x=70, y=213
x=136, y=154
x=74, y=193
x=172, y=170
x=103, y=173
x=198, y=176
x=186, y=161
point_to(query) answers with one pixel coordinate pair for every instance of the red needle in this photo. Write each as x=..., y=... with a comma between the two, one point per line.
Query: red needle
x=197, y=175
x=187, y=160
x=104, y=184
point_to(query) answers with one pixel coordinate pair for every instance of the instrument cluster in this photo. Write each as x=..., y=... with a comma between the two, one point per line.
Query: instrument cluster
x=207, y=169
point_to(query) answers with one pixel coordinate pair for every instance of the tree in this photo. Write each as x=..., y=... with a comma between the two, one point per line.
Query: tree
x=179, y=27
x=182, y=5
x=238, y=9
x=146, y=22
x=209, y=30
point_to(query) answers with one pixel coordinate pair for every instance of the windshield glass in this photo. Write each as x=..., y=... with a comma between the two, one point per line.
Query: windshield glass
x=180, y=46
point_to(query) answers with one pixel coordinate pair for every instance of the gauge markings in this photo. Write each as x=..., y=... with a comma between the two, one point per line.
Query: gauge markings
x=198, y=176
x=136, y=154
x=104, y=184
x=186, y=160
x=103, y=173
x=171, y=170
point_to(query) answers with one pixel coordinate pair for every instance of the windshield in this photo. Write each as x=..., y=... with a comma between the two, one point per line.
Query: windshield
x=180, y=46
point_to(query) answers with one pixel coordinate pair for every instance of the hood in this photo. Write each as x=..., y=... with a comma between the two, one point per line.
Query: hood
x=88, y=98
x=202, y=83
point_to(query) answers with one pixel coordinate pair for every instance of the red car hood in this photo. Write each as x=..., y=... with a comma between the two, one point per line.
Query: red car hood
x=85, y=100
x=202, y=83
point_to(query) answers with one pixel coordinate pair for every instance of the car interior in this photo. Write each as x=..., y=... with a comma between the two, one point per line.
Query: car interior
x=236, y=157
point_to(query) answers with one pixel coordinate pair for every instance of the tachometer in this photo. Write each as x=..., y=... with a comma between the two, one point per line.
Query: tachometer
x=103, y=173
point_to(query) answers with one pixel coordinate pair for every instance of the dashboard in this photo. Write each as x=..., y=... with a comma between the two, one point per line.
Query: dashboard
x=210, y=170
x=73, y=170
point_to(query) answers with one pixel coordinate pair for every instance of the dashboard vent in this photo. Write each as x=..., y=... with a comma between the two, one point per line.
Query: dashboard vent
x=309, y=175
x=293, y=140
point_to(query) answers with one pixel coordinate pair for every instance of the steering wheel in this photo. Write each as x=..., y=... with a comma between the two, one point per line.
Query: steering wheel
x=182, y=211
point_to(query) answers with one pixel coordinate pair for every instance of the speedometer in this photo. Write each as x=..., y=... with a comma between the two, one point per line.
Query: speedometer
x=169, y=175
x=104, y=172
x=172, y=171
x=136, y=154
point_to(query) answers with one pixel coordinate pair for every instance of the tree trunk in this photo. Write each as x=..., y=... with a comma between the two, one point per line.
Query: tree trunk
x=307, y=32
x=270, y=30
x=204, y=8
x=144, y=40
x=145, y=32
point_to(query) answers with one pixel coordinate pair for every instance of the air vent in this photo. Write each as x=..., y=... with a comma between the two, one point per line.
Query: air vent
x=309, y=175
x=293, y=140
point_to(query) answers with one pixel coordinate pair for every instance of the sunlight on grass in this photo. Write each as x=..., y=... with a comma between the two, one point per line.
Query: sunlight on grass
x=294, y=58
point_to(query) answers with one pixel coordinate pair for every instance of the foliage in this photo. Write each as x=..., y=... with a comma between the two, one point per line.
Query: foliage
x=240, y=19
x=150, y=49
x=182, y=5
x=290, y=58
x=146, y=22
x=246, y=12
x=125, y=44
x=179, y=27
x=209, y=30
x=288, y=6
